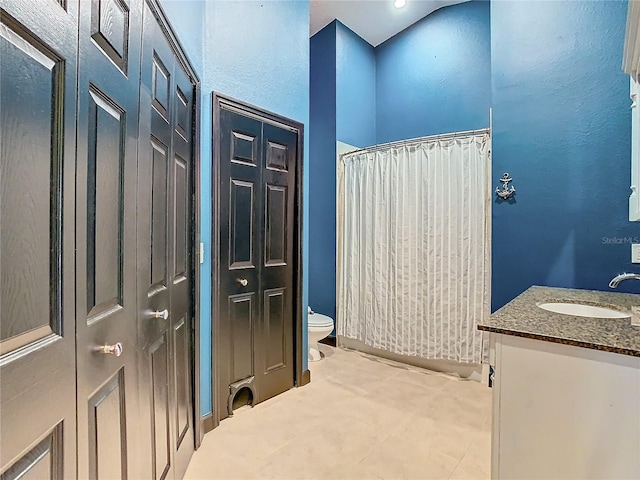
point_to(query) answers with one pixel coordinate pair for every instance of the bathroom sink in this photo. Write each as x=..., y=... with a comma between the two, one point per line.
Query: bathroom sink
x=582, y=310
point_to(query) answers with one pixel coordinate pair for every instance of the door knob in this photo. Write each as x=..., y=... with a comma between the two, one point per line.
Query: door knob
x=115, y=349
x=163, y=314
x=243, y=281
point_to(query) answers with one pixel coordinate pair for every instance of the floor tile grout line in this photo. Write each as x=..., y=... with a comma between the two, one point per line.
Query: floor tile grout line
x=456, y=467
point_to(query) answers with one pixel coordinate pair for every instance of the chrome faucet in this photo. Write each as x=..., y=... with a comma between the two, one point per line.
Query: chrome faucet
x=623, y=276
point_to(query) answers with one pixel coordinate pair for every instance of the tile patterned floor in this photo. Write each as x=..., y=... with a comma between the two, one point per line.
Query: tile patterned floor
x=361, y=417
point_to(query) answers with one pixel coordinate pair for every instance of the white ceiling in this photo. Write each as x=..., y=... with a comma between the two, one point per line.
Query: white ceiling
x=374, y=20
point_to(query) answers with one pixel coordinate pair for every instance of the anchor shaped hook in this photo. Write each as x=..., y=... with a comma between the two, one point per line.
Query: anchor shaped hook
x=506, y=192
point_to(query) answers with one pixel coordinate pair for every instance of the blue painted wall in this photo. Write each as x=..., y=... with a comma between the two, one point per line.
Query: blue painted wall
x=561, y=124
x=435, y=76
x=187, y=19
x=322, y=172
x=343, y=99
x=256, y=51
x=355, y=89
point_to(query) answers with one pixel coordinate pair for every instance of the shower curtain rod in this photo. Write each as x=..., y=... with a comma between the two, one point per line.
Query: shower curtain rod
x=442, y=136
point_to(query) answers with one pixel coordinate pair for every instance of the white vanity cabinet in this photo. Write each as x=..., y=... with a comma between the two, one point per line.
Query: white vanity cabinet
x=563, y=412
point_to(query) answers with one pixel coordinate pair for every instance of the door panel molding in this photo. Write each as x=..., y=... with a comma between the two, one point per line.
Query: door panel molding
x=43, y=461
x=159, y=395
x=245, y=153
x=275, y=239
x=105, y=195
x=108, y=418
x=274, y=306
x=110, y=30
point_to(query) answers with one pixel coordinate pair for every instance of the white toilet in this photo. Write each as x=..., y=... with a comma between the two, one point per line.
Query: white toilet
x=320, y=326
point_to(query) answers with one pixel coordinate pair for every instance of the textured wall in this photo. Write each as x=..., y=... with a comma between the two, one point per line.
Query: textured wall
x=322, y=172
x=187, y=19
x=355, y=88
x=561, y=123
x=343, y=99
x=435, y=76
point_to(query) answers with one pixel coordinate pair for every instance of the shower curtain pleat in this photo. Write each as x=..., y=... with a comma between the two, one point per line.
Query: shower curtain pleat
x=414, y=247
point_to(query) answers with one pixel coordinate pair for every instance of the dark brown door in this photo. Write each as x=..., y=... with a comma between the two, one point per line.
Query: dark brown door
x=256, y=256
x=164, y=281
x=38, y=49
x=109, y=426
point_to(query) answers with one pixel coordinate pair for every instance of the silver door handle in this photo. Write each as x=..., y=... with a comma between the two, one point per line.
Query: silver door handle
x=243, y=281
x=163, y=314
x=115, y=349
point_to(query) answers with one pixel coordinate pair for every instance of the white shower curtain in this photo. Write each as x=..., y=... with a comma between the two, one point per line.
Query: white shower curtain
x=413, y=246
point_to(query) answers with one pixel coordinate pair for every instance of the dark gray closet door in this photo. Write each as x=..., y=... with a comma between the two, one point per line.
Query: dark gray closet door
x=274, y=355
x=109, y=425
x=164, y=279
x=38, y=49
x=256, y=217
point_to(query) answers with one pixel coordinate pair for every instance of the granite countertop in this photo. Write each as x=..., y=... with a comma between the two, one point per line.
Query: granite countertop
x=523, y=318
